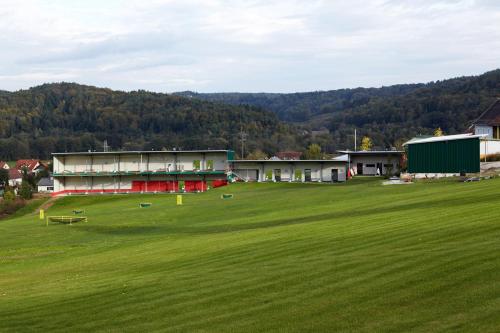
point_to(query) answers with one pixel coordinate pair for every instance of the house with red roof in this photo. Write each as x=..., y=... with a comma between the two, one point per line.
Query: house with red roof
x=33, y=166
x=4, y=165
x=15, y=177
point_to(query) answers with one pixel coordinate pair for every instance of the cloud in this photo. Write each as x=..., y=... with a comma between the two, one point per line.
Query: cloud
x=222, y=45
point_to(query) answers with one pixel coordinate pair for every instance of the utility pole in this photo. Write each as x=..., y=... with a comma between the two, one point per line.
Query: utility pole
x=355, y=143
x=243, y=137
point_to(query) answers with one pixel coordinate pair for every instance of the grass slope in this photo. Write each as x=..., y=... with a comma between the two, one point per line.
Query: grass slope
x=358, y=257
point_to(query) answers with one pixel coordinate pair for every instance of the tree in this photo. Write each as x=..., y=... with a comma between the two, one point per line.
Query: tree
x=257, y=154
x=4, y=177
x=438, y=132
x=26, y=192
x=313, y=152
x=28, y=177
x=366, y=143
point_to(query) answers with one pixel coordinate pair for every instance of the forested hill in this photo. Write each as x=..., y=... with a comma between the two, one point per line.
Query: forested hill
x=301, y=107
x=71, y=117
x=389, y=115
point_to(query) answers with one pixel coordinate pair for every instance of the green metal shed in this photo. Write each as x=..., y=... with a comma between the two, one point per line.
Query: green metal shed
x=444, y=154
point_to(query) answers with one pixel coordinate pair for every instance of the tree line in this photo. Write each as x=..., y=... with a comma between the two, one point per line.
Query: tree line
x=70, y=117
x=388, y=115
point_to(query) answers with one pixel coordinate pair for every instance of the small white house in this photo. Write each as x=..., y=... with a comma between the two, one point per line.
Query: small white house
x=46, y=185
x=488, y=124
x=15, y=177
x=373, y=163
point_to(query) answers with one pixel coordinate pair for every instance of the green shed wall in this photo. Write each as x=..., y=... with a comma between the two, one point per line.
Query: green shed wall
x=452, y=156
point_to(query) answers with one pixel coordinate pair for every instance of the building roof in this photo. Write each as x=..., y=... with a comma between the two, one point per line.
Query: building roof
x=444, y=138
x=46, y=181
x=342, y=158
x=139, y=152
x=289, y=155
x=287, y=161
x=371, y=152
x=491, y=116
x=15, y=174
x=29, y=164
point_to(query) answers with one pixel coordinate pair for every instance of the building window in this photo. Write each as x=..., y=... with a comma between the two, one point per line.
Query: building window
x=496, y=132
x=50, y=188
x=210, y=164
x=196, y=164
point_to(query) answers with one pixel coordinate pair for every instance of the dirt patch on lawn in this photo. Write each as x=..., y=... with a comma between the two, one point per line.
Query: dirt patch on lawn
x=46, y=205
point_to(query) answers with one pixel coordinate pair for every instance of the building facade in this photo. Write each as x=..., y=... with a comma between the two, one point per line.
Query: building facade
x=45, y=185
x=140, y=171
x=290, y=170
x=372, y=163
x=444, y=155
x=488, y=123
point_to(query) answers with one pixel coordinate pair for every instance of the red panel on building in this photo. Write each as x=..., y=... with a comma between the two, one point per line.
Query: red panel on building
x=219, y=183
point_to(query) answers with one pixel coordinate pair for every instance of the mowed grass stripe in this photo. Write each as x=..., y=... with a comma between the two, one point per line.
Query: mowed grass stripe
x=228, y=271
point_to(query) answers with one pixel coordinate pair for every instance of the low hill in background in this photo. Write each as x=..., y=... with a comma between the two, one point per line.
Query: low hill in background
x=72, y=117
x=388, y=115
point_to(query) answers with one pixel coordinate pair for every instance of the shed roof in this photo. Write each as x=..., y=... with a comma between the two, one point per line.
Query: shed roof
x=287, y=161
x=371, y=152
x=46, y=181
x=444, y=138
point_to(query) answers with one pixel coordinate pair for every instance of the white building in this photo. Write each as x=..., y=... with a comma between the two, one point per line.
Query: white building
x=46, y=185
x=488, y=124
x=373, y=163
x=139, y=171
x=290, y=170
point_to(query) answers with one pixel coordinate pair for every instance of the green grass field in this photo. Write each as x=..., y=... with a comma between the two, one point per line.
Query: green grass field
x=357, y=257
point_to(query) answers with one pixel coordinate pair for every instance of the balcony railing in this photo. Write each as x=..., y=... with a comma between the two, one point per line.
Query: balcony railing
x=91, y=173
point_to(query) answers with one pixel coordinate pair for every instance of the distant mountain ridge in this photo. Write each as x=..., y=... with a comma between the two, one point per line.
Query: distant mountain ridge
x=388, y=115
x=300, y=107
x=72, y=117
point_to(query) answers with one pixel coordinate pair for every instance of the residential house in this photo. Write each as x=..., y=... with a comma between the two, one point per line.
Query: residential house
x=488, y=124
x=15, y=177
x=46, y=185
x=33, y=166
x=4, y=165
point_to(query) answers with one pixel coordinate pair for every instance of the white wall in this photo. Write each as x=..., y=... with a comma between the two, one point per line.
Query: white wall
x=488, y=130
x=42, y=189
x=369, y=160
x=104, y=163
x=161, y=162
x=319, y=171
x=130, y=162
x=490, y=147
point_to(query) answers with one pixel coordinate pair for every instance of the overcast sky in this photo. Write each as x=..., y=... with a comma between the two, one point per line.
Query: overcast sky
x=247, y=46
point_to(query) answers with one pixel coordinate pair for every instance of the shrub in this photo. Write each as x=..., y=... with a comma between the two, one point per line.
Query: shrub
x=8, y=195
x=8, y=207
x=26, y=192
